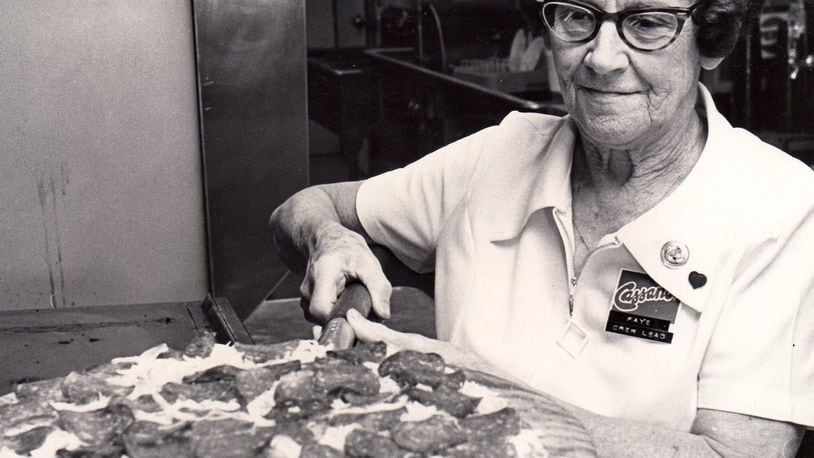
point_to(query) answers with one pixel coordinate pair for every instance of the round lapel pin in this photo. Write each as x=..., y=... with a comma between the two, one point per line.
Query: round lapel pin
x=674, y=254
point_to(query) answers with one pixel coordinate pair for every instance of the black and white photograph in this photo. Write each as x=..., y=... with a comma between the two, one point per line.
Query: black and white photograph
x=406, y=228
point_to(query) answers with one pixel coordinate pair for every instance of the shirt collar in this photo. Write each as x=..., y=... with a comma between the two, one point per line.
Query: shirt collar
x=522, y=193
x=691, y=217
x=684, y=216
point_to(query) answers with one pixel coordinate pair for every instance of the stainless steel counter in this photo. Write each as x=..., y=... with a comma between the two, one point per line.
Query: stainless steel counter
x=401, y=59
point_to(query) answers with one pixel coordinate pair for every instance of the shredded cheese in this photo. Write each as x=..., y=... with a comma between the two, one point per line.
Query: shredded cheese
x=148, y=373
x=528, y=444
x=418, y=412
x=262, y=404
x=284, y=447
x=388, y=386
x=100, y=403
x=55, y=441
x=9, y=398
x=490, y=401
x=334, y=436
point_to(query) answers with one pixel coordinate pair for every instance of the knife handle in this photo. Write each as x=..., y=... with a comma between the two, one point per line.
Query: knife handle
x=337, y=330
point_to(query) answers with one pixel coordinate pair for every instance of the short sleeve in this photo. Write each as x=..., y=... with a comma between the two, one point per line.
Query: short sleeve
x=760, y=359
x=405, y=209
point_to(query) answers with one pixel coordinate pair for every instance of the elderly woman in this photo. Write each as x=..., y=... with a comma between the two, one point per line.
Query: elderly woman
x=639, y=259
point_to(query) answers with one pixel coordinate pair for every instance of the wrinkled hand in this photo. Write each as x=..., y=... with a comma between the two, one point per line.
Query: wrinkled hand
x=368, y=331
x=338, y=256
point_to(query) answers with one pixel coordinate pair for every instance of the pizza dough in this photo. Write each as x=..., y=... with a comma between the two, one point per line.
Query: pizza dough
x=295, y=399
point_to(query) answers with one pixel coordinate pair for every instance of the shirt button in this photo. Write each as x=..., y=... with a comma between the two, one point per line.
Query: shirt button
x=674, y=254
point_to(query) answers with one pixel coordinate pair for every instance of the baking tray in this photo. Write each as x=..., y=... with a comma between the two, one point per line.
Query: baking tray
x=38, y=344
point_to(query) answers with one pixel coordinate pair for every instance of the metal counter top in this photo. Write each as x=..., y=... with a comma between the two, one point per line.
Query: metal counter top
x=402, y=59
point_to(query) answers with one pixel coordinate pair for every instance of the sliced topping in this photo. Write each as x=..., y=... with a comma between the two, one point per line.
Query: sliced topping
x=305, y=351
x=289, y=399
x=24, y=416
x=225, y=426
x=201, y=346
x=146, y=439
x=144, y=403
x=24, y=443
x=431, y=435
x=320, y=451
x=297, y=387
x=412, y=368
x=264, y=353
x=454, y=380
x=222, y=373
x=294, y=411
x=377, y=421
x=99, y=426
x=228, y=438
x=251, y=383
x=361, y=353
x=362, y=443
x=92, y=451
x=346, y=378
x=451, y=401
x=317, y=384
x=200, y=392
x=86, y=387
x=354, y=399
x=44, y=390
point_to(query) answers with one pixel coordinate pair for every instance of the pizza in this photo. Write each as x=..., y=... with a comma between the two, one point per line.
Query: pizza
x=293, y=399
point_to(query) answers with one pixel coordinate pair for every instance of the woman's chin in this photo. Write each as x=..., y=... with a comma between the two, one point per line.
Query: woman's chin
x=611, y=132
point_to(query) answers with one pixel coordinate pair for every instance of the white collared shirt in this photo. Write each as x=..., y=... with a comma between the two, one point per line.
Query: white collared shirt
x=491, y=215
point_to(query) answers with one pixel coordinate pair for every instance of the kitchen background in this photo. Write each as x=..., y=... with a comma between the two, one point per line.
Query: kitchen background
x=144, y=144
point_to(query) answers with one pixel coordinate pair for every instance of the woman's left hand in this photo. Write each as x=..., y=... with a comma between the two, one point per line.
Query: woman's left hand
x=368, y=331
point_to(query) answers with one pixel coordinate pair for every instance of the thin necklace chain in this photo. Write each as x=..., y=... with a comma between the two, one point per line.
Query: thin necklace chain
x=672, y=186
x=579, y=233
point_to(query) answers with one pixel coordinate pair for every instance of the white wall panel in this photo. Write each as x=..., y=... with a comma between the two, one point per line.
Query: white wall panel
x=100, y=171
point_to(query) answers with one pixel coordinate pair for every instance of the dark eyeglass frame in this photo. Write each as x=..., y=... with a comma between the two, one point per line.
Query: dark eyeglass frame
x=681, y=14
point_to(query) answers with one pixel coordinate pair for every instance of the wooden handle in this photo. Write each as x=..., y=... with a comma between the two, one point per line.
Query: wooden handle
x=337, y=331
x=355, y=296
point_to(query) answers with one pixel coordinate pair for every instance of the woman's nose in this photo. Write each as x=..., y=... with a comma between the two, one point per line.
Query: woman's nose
x=607, y=51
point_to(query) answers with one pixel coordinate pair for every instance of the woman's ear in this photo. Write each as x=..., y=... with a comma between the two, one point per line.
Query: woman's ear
x=709, y=63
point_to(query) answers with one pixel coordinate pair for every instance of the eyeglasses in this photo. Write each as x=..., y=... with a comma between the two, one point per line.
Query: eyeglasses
x=645, y=29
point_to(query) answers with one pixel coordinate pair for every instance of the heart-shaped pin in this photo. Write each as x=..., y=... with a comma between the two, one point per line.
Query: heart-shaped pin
x=697, y=279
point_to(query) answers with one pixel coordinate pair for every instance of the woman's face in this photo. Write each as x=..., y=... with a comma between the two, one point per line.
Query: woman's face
x=623, y=97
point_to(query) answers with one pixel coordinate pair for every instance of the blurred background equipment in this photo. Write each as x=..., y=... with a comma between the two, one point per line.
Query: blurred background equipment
x=772, y=77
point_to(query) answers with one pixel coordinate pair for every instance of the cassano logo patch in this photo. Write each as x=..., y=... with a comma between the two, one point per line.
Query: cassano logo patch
x=642, y=308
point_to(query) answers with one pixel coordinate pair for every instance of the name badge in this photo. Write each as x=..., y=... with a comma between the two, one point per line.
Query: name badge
x=642, y=308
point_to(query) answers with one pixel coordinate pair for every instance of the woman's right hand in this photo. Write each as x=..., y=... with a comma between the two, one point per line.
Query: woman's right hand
x=337, y=256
